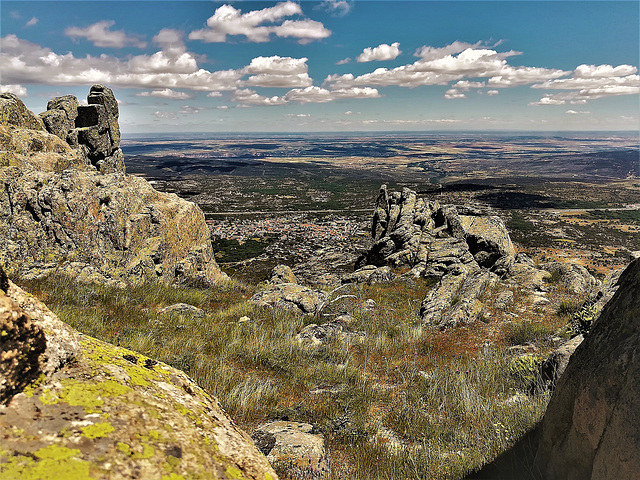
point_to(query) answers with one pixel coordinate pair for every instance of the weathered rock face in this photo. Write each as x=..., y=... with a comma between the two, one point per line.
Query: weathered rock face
x=93, y=127
x=590, y=429
x=113, y=414
x=575, y=278
x=57, y=213
x=116, y=223
x=468, y=248
x=14, y=112
x=291, y=296
x=435, y=240
x=369, y=274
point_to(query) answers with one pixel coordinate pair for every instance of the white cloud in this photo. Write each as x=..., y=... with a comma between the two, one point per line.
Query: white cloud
x=228, y=20
x=23, y=62
x=591, y=82
x=453, y=94
x=18, y=90
x=549, y=100
x=251, y=97
x=170, y=40
x=574, y=112
x=189, y=110
x=492, y=93
x=467, y=85
x=32, y=22
x=458, y=61
x=590, y=71
x=276, y=71
x=100, y=35
x=165, y=115
x=321, y=95
x=281, y=81
x=380, y=53
x=297, y=115
x=348, y=112
x=165, y=93
x=214, y=94
x=337, y=8
x=222, y=107
x=344, y=61
x=277, y=65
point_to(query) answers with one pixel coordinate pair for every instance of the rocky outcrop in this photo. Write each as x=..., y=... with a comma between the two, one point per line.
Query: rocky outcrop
x=292, y=297
x=293, y=447
x=58, y=213
x=111, y=413
x=432, y=239
x=455, y=300
x=369, y=274
x=13, y=112
x=574, y=278
x=590, y=429
x=556, y=363
x=468, y=248
x=282, y=274
x=93, y=128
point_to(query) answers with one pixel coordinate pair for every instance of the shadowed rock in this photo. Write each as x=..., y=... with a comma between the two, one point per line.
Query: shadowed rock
x=590, y=429
x=291, y=296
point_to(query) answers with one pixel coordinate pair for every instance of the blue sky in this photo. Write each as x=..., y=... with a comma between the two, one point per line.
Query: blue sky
x=334, y=65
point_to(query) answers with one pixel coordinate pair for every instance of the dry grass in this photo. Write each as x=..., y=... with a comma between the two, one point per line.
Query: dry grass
x=412, y=402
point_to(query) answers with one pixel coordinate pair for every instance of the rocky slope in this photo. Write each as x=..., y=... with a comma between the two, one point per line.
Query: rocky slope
x=75, y=407
x=66, y=204
x=592, y=424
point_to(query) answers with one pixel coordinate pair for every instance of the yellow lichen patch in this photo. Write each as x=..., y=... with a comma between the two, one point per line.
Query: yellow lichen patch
x=97, y=430
x=53, y=462
x=233, y=473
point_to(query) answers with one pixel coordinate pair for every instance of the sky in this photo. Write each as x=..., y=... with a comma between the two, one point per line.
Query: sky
x=332, y=65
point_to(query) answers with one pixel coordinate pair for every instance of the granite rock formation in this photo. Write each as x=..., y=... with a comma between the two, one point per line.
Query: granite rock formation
x=108, y=414
x=590, y=429
x=60, y=210
x=292, y=297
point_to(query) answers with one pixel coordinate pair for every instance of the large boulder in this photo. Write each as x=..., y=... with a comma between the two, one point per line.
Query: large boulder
x=591, y=427
x=111, y=414
x=574, y=278
x=116, y=223
x=292, y=297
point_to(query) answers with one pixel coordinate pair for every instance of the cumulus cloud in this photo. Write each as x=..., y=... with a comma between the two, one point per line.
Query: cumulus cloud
x=18, y=90
x=590, y=82
x=169, y=39
x=251, y=97
x=165, y=93
x=453, y=94
x=214, y=94
x=590, y=71
x=32, y=22
x=344, y=61
x=493, y=93
x=467, y=85
x=276, y=71
x=24, y=62
x=459, y=62
x=337, y=8
x=101, y=36
x=228, y=20
x=380, y=53
x=574, y=112
x=311, y=94
x=297, y=115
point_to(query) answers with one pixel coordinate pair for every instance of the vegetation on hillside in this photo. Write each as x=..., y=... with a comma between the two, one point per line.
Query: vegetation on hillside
x=395, y=399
